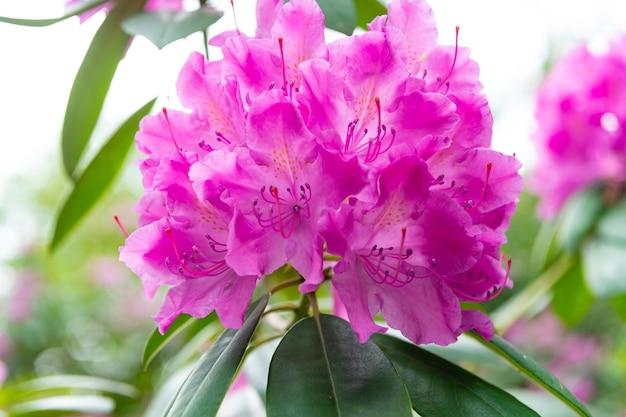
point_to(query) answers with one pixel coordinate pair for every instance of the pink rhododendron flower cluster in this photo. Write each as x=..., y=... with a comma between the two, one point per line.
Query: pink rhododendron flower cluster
x=581, y=111
x=374, y=149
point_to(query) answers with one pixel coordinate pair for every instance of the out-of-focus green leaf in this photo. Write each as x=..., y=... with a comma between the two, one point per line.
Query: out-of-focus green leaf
x=604, y=265
x=97, y=176
x=619, y=303
x=367, y=10
x=518, y=305
x=74, y=382
x=612, y=225
x=321, y=369
x=339, y=15
x=92, y=404
x=203, y=391
x=92, y=82
x=578, y=217
x=571, y=299
x=71, y=11
x=157, y=341
x=165, y=26
x=439, y=388
x=533, y=371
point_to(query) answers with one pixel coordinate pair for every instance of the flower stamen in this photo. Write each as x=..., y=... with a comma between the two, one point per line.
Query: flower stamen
x=445, y=80
x=197, y=259
x=169, y=126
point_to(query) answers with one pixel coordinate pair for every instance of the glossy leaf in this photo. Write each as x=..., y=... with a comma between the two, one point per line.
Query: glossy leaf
x=166, y=26
x=439, y=388
x=157, y=341
x=339, y=15
x=98, y=176
x=578, y=217
x=71, y=11
x=571, y=298
x=533, y=371
x=204, y=389
x=321, y=369
x=367, y=10
x=92, y=83
x=604, y=264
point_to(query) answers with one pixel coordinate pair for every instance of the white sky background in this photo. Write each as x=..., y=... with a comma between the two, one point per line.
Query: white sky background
x=510, y=40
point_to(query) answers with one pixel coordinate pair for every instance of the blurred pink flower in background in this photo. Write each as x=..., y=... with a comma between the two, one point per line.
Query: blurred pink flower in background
x=572, y=357
x=581, y=114
x=21, y=302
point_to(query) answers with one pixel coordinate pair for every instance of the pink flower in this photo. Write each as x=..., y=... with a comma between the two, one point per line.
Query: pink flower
x=3, y=372
x=572, y=357
x=374, y=148
x=580, y=113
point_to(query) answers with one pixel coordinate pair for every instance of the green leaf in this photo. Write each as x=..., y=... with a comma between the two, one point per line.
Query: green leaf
x=619, y=304
x=92, y=82
x=166, y=26
x=157, y=341
x=204, y=389
x=612, y=225
x=321, y=369
x=533, y=371
x=339, y=15
x=74, y=383
x=74, y=10
x=578, y=217
x=604, y=265
x=571, y=298
x=367, y=10
x=89, y=404
x=439, y=388
x=97, y=176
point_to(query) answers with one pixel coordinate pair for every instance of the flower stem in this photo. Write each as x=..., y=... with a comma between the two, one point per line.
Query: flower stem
x=507, y=314
x=286, y=284
x=282, y=307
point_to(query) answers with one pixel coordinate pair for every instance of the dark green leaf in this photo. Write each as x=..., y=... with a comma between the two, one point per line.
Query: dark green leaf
x=533, y=371
x=439, y=388
x=157, y=341
x=604, y=265
x=204, y=389
x=165, y=26
x=367, y=10
x=571, y=297
x=97, y=176
x=320, y=369
x=339, y=15
x=578, y=217
x=92, y=82
x=74, y=10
